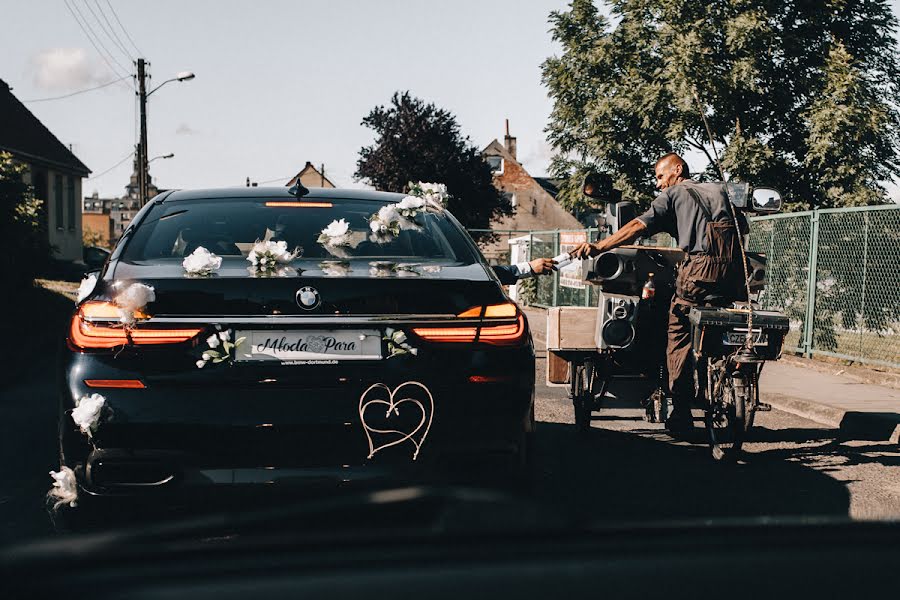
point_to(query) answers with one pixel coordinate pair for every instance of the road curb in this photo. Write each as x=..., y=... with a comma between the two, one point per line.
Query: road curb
x=855, y=425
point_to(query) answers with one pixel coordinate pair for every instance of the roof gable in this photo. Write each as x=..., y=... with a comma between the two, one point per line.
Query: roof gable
x=23, y=134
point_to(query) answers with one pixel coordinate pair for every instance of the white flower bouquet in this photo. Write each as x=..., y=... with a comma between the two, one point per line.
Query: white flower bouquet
x=87, y=413
x=221, y=348
x=269, y=256
x=435, y=194
x=86, y=287
x=397, y=343
x=336, y=234
x=65, y=487
x=132, y=300
x=201, y=262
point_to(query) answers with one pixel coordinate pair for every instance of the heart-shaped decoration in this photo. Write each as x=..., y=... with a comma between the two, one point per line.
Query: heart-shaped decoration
x=392, y=400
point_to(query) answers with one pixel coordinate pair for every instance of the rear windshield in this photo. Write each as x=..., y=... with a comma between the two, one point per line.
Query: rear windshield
x=230, y=227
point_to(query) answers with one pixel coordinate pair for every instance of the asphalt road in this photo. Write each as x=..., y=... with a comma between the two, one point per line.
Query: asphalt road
x=624, y=469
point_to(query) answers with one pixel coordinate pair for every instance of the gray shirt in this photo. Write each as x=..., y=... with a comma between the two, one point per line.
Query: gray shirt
x=675, y=212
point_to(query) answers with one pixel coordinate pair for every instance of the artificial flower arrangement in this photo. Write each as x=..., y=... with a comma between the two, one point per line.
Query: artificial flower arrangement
x=397, y=343
x=434, y=194
x=132, y=300
x=87, y=413
x=269, y=257
x=201, y=263
x=86, y=287
x=221, y=348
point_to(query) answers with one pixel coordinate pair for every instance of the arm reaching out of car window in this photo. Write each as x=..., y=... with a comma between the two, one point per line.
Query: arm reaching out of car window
x=626, y=235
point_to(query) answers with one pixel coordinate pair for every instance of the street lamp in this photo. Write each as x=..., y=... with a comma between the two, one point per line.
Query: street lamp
x=169, y=155
x=143, y=175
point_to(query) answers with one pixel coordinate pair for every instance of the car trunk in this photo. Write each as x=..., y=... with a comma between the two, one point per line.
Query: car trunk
x=349, y=288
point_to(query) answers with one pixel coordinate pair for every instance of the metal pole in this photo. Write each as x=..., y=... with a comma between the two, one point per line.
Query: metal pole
x=808, y=322
x=556, y=274
x=143, y=165
x=862, y=308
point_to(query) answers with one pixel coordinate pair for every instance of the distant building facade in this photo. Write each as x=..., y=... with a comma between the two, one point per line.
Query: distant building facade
x=311, y=177
x=533, y=198
x=109, y=217
x=54, y=172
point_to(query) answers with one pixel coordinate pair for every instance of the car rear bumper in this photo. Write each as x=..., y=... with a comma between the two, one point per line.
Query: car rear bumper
x=236, y=430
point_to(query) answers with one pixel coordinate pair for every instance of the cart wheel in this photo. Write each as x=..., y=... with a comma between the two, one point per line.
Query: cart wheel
x=581, y=397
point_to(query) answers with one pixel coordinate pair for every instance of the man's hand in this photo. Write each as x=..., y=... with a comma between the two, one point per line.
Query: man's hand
x=585, y=251
x=542, y=266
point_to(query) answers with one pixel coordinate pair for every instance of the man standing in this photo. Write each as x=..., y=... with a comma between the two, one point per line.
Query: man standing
x=699, y=216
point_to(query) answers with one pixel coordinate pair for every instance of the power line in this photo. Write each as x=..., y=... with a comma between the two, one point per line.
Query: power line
x=125, y=31
x=109, y=32
x=108, y=83
x=130, y=154
x=84, y=28
x=96, y=35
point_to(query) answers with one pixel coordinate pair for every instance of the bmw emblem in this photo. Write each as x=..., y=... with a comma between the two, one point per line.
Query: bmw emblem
x=308, y=298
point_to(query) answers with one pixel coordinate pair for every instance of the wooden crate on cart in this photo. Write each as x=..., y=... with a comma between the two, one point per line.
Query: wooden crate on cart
x=569, y=329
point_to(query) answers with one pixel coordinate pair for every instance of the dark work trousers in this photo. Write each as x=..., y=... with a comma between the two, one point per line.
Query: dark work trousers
x=715, y=273
x=679, y=360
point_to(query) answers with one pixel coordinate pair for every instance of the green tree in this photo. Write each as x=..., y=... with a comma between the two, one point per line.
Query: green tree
x=21, y=227
x=415, y=141
x=798, y=93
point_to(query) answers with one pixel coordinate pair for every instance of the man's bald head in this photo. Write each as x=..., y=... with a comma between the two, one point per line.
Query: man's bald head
x=670, y=170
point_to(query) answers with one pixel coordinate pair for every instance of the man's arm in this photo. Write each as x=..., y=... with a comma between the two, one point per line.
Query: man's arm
x=510, y=274
x=626, y=235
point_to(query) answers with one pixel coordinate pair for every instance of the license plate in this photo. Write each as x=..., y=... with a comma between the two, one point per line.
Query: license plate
x=738, y=338
x=309, y=346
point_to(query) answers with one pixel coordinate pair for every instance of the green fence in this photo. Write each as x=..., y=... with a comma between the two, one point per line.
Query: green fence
x=835, y=273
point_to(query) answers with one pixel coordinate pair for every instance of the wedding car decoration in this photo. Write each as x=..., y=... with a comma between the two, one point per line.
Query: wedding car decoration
x=268, y=257
x=384, y=224
x=87, y=413
x=201, y=262
x=65, y=488
x=86, y=287
x=435, y=194
x=220, y=348
x=407, y=402
x=397, y=343
x=132, y=300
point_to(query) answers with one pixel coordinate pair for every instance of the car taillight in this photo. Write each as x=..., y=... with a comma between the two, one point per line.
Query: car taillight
x=499, y=335
x=96, y=325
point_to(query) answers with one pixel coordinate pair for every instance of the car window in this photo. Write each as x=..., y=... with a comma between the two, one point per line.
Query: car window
x=231, y=227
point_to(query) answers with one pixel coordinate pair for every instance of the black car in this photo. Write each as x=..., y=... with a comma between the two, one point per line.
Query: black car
x=362, y=355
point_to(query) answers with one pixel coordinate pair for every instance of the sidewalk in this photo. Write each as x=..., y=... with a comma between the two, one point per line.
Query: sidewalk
x=861, y=411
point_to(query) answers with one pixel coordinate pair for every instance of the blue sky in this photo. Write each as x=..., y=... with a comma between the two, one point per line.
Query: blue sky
x=278, y=83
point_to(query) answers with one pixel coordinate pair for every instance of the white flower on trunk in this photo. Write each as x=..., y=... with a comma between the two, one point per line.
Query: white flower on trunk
x=65, y=487
x=133, y=299
x=87, y=413
x=87, y=286
x=269, y=255
x=213, y=341
x=201, y=262
x=336, y=234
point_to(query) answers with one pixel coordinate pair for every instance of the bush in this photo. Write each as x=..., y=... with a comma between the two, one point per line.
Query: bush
x=22, y=227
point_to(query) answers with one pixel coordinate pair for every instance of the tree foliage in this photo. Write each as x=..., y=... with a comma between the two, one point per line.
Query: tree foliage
x=21, y=227
x=416, y=141
x=799, y=94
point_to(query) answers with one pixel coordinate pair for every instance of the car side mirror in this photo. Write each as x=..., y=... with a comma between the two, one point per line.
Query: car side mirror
x=766, y=200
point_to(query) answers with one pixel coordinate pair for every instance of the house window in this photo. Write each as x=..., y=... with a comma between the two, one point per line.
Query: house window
x=496, y=164
x=71, y=202
x=58, y=200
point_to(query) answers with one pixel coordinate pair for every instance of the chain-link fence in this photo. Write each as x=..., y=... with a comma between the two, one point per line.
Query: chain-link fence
x=834, y=272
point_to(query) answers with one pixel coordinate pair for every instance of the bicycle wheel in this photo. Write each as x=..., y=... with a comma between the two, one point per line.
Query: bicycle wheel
x=726, y=416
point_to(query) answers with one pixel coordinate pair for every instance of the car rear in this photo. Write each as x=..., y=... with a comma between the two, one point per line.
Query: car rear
x=371, y=360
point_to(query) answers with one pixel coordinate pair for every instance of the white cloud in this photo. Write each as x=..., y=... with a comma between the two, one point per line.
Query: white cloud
x=60, y=69
x=537, y=160
x=185, y=129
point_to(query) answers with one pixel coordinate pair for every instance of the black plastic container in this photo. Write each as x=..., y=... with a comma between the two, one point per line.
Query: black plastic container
x=721, y=331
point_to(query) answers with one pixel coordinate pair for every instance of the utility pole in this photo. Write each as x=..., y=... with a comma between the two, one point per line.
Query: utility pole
x=143, y=165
